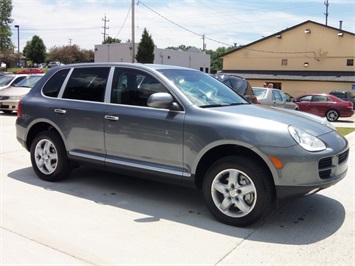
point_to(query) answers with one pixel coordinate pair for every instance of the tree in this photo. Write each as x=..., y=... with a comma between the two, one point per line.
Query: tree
x=70, y=54
x=35, y=50
x=216, y=61
x=111, y=40
x=180, y=47
x=6, y=45
x=145, y=51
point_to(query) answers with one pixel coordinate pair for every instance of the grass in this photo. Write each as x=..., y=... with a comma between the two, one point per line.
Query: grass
x=345, y=130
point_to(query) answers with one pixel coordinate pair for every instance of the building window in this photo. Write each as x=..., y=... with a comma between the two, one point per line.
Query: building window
x=284, y=62
x=350, y=62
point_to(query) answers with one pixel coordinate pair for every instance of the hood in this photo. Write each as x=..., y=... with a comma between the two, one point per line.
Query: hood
x=275, y=117
x=14, y=91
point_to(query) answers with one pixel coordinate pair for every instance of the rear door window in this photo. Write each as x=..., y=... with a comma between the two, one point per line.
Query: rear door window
x=88, y=84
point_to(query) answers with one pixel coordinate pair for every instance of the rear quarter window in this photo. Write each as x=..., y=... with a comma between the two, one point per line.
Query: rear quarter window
x=53, y=85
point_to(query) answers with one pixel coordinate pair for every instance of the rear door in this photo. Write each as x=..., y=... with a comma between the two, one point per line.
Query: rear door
x=79, y=111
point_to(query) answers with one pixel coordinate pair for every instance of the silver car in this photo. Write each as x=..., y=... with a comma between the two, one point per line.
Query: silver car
x=10, y=97
x=178, y=125
x=274, y=97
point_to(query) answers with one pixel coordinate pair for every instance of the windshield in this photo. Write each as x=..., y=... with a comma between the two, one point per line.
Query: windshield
x=202, y=89
x=5, y=80
x=29, y=82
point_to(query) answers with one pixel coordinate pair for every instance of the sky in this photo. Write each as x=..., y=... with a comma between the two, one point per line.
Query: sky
x=223, y=23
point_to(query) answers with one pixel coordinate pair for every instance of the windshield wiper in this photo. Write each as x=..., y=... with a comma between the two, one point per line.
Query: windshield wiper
x=238, y=103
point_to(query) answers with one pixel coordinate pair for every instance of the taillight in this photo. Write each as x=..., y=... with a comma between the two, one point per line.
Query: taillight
x=19, y=110
x=349, y=104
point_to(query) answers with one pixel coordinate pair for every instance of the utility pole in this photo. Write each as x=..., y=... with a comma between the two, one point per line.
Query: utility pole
x=133, y=45
x=18, y=45
x=203, y=42
x=104, y=27
x=326, y=12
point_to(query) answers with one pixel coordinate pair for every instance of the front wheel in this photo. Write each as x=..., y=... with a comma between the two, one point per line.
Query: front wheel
x=48, y=157
x=238, y=191
x=332, y=115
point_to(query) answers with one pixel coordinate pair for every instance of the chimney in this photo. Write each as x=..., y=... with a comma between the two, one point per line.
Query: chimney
x=340, y=24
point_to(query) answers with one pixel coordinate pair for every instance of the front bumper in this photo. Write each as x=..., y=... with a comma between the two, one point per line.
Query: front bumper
x=305, y=172
x=8, y=105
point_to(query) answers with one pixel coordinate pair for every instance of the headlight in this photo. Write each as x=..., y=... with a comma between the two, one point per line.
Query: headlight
x=305, y=140
x=15, y=97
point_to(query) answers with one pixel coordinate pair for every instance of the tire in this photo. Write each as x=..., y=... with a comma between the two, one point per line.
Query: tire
x=238, y=191
x=48, y=157
x=332, y=115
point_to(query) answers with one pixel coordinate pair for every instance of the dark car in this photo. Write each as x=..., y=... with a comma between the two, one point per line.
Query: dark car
x=178, y=125
x=239, y=85
x=345, y=96
x=325, y=105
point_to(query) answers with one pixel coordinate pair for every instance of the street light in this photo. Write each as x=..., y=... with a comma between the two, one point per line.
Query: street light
x=18, y=44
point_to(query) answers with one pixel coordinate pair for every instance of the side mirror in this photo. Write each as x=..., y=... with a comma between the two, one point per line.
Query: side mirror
x=162, y=100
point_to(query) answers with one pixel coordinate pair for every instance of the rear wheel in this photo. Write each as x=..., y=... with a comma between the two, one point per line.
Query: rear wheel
x=48, y=157
x=238, y=191
x=332, y=115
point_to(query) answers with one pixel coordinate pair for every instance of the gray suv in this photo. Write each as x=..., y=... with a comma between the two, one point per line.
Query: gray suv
x=178, y=125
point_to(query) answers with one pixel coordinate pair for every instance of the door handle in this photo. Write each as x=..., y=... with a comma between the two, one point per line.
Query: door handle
x=60, y=111
x=112, y=117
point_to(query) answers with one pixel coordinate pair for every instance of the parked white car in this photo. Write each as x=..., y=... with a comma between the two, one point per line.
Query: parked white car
x=8, y=80
x=274, y=98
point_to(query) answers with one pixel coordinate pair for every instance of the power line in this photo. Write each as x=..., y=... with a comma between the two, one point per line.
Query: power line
x=124, y=22
x=182, y=27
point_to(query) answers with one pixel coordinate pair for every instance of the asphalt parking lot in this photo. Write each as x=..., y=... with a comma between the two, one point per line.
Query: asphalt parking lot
x=99, y=218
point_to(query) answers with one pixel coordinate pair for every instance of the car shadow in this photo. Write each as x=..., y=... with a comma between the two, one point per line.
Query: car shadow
x=343, y=121
x=295, y=222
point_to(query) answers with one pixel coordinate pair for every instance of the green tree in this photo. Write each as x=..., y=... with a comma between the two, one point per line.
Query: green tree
x=216, y=61
x=6, y=45
x=35, y=50
x=145, y=51
x=111, y=40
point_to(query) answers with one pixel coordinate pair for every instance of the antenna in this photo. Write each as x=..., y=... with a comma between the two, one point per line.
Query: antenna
x=326, y=12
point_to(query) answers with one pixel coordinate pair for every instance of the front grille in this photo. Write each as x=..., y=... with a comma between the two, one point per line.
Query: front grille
x=326, y=165
x=325, y=174
x=343, y=157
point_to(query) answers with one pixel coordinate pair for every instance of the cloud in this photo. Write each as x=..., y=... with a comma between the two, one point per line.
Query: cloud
x=171, y=23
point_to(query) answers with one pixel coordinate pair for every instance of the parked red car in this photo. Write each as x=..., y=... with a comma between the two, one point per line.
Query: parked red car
x=323, y=104
x=30, y=71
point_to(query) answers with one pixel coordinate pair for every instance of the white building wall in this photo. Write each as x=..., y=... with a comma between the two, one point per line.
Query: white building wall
x=122, y=52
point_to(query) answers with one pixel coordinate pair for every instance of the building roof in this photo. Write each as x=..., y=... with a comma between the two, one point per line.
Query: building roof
x=283, y=31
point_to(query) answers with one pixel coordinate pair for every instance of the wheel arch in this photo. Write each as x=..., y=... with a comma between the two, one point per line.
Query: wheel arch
x=223, y=151
x=37, y=128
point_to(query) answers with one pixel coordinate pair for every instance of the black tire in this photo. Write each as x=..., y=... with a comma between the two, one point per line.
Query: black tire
x=238, y=191
x=332, y=115
x=48, y=157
